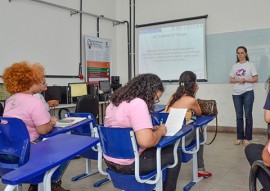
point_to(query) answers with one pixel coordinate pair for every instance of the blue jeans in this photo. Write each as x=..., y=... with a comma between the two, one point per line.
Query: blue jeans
x=244, y=102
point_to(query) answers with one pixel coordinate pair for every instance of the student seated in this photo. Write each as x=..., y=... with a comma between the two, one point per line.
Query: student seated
x=184, y=97
x=22, y=80
x=130, y=107
x=261, y=152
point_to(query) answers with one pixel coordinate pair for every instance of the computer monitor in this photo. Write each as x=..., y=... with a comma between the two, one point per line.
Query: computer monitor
x=105, y=86
x=59, y=93
x=4, y=95
x=76, y=90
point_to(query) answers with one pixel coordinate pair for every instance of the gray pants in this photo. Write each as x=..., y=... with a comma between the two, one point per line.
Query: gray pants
x=192, y=136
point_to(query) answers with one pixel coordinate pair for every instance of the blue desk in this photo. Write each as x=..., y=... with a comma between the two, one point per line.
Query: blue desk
x=167, y=140
x=203, y=120
x=60, y=130
x=47, y=155
x=159, y=107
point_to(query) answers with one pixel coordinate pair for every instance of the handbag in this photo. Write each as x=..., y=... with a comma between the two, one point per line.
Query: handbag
x=208, y=107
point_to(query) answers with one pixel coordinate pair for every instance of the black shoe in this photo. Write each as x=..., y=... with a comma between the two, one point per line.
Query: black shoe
x=56, y=186
x=33, y=187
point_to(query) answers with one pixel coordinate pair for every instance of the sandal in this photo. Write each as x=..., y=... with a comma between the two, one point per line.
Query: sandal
x=237, y=142
x=204, y=174
x=246, y=142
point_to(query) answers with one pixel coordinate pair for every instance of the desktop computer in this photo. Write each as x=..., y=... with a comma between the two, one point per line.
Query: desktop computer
x=59, y=93
x=115, y=82
x=92, y=89
x=115, y=79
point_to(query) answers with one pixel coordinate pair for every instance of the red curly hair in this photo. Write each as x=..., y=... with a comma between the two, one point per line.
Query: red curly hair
x=20, y=77
x=39, y=72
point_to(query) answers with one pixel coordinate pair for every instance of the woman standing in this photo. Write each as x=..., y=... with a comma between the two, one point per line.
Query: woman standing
x=243, y=74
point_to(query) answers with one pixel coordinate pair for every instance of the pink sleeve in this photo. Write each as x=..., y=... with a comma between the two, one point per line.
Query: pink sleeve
x=269, y=147
x=139, y=115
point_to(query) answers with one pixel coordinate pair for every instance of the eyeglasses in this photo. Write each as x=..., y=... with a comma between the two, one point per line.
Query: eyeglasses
x=157, y=99
x=44, y=83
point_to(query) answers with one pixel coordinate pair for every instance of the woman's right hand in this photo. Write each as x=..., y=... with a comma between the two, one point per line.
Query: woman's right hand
x=162, y=130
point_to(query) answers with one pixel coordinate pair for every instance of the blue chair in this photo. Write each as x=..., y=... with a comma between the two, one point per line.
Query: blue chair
x=92, y=153
x=121, y=143
x=14, y=144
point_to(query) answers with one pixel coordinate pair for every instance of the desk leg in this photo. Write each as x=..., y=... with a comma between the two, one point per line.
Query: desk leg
x=196, y=179
x=10, y=187
x=102, y=108
x=47, y=179
x=101, y=182
x=88, y=171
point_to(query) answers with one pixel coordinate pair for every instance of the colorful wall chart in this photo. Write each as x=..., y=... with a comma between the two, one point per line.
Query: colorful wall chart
x=98, y=59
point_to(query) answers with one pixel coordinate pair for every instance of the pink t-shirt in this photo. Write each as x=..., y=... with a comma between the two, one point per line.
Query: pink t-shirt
x=134, y=114
x=28, y=108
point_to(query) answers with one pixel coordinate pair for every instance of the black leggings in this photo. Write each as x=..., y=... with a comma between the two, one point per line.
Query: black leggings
x=148, y=164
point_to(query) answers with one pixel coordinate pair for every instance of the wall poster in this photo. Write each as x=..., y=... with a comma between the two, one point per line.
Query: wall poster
x=98, y=59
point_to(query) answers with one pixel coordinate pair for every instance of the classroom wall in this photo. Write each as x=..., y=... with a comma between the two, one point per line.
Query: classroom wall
x=26, y=24
x=223, y=17
x=51, y=36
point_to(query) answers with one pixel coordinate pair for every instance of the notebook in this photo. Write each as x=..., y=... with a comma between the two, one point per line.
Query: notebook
x=68, y=121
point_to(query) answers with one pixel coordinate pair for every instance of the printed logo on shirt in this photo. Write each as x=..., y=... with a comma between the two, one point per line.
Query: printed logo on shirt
x=241, y=72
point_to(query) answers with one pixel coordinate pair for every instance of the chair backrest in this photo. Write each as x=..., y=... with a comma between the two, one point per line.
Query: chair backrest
x=14, y=144
x=256, y=167
x=88, y=104
x=85, y=130
x=114, y=146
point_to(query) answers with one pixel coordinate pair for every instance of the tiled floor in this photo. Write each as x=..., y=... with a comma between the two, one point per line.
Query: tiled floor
x=226, y=161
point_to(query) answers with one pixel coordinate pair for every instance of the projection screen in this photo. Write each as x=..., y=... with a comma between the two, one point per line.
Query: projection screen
x=170, y=48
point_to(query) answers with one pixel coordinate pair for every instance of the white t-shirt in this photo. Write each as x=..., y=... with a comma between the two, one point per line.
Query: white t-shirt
x=245, y=70
x=40, y=96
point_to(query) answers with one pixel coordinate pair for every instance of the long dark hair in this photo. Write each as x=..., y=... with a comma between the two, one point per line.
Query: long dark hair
x=245, y=49
x=186, y=86
x=144, y=86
